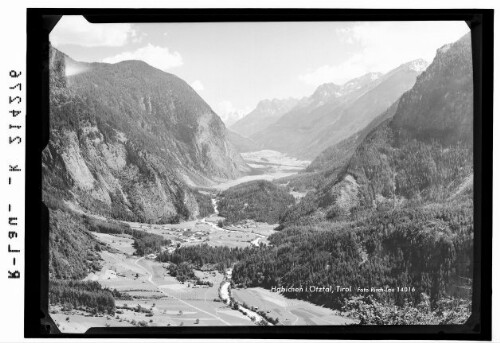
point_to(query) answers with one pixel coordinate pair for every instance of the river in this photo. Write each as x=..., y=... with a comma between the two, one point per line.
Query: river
x=224, y=293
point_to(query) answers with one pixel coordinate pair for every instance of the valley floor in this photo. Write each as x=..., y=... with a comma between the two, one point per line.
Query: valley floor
x=206, y=231
x=170, y=302
x=267, y=165
x=289, y=311
x=151, y=287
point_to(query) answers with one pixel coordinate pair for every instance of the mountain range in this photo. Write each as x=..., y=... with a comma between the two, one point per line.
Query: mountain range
x=334, y=112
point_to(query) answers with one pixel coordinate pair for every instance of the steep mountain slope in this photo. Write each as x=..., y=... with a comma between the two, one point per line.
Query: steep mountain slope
x=397, y=210
x=266, y=113
x=334, y=112
x=242, y=144
x=424, y=153
x=127, y=140
x=334, y=158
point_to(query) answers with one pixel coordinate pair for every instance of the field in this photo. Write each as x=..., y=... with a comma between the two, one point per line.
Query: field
x=288, y=311
x=151, y=288
x=172, y=303
x=155, y=298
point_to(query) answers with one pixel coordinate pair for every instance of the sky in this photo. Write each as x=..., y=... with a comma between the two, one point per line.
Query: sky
x=233, y=66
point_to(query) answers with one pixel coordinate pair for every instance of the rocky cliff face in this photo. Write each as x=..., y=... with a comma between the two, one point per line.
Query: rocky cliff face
x=127, y=140
x=334, y=113
x=424, y=153
x=266, y=113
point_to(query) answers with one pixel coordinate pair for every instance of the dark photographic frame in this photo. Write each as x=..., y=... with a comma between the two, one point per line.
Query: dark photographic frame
x=39, y=24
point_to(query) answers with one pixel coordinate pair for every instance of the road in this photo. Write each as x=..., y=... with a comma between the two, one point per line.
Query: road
x=150, y=280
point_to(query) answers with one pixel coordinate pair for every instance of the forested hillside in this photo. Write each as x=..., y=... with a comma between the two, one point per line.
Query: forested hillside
x=127, y=141
x=413, y=158
x=395, y=211
x=428, y=249
x=260, y=200
x=73, y=251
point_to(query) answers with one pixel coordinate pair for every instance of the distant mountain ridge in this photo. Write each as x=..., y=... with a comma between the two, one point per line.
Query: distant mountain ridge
x=331, y=90
x=333, y=113
x=231, y=117
x=338, y=155
x=127, y=140
x=265, y=113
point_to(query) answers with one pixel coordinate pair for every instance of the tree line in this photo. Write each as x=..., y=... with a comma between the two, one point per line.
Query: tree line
x=84, y=295
x=144, y=242
x=199, y=256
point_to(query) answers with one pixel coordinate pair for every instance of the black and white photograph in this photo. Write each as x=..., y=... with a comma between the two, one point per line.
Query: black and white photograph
x=205, y=174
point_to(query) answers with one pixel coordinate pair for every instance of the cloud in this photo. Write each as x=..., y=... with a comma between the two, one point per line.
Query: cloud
x=197, y=85
x=229, y=113
x=382, y=46
x=76, y=30
x=339, y=73
x=156, y=56
x=138, y=37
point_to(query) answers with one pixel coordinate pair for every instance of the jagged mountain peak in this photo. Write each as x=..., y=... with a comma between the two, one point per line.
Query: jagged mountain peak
x=326, y=91
x=334, y=112
x=265, y=113
x=275, y=103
